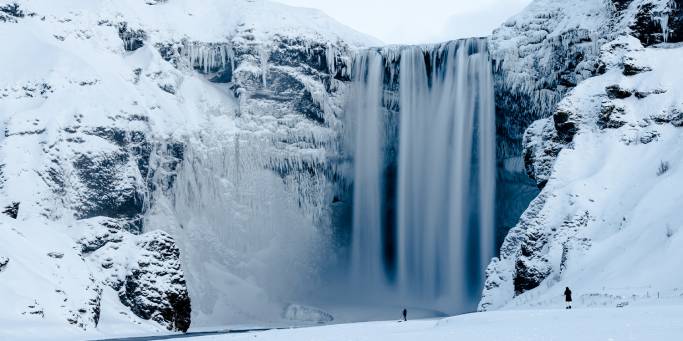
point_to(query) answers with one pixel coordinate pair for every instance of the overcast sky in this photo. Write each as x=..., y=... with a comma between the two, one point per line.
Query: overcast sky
x=418, y=21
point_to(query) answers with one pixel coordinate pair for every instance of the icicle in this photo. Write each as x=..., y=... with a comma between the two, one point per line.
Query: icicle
x=331, y=54
x=208, y=57
x=264, y=55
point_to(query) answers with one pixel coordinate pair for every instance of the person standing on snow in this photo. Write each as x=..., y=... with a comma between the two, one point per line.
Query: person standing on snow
x=568, y=298
x=405, y=315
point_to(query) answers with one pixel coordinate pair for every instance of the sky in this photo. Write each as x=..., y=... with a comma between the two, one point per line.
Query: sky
x=418, y=21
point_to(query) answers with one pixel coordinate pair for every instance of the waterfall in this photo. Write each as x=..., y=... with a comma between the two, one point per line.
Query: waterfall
x=431, y=249
x=366, y=99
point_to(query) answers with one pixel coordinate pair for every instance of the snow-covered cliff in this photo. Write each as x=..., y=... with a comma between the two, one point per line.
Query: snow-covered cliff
x=153, y=145
x=606, y=161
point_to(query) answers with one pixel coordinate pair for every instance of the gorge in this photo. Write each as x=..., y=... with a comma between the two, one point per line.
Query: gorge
x=166, y=164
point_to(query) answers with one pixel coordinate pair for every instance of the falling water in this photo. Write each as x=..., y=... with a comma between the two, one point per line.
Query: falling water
x=366, y=99
x=445, y=185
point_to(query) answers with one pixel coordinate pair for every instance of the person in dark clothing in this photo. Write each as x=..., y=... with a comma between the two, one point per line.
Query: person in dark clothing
x=405, y=315
x=568, y=298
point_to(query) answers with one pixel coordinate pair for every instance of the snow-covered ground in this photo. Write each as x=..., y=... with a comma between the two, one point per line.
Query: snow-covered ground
x=647, y=322
x=605, y=324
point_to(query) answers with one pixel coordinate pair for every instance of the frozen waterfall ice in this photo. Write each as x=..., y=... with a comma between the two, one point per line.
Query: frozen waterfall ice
x=423, y=212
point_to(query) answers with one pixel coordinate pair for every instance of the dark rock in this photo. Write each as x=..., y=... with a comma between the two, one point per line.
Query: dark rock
x=648, y=137
x=617, y=92
x=677, y=117
x=531, y=267
x=99, y=237
x=621, y=5
x=12, y=210
x=55, y=255
x=610, y=116
x=132, y=39
x=3, y=262
x=108, y=191
x=309, y=108
x=647, y=26
x=673, y=116
x=643, y=94
x=170, y=88
x=10, y=12
x=565, y=125
x=155, y=286
x=542, y=145
x=631, y=69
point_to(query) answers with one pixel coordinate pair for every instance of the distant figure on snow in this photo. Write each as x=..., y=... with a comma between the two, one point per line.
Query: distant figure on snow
x=568, y=298
x=405, y=315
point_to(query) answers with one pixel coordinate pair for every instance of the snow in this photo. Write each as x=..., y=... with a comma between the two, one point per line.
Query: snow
x=42, y=290
x=69, y=78
x=607, y=224
x=598, y=324
x=205, y=20
x=67, y=73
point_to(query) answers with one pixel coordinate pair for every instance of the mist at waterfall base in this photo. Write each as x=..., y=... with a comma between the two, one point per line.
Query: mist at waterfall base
x=421, y=123
x=259, y=232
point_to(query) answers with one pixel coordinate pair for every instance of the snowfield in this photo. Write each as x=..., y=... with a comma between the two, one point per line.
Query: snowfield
x=662, y=322
x=652, y=323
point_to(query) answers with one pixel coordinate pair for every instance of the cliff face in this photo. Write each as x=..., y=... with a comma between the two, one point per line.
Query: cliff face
x=573, y=153
x=107, y=108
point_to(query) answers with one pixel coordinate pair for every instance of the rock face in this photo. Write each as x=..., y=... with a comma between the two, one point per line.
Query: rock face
x=12, y=210
x=143, y=103
x=657, y=21
x=614, y=118
x=155, y=287
x=540, y=55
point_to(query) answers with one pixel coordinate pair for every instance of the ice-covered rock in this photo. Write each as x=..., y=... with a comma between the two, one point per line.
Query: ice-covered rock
x=601, y=204
x=126, y=97
x=154, y=287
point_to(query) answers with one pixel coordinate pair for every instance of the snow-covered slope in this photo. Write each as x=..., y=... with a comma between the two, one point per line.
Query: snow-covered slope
x=210, y=120
x=634, y=323
x=606, y=222
x=544, y=52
